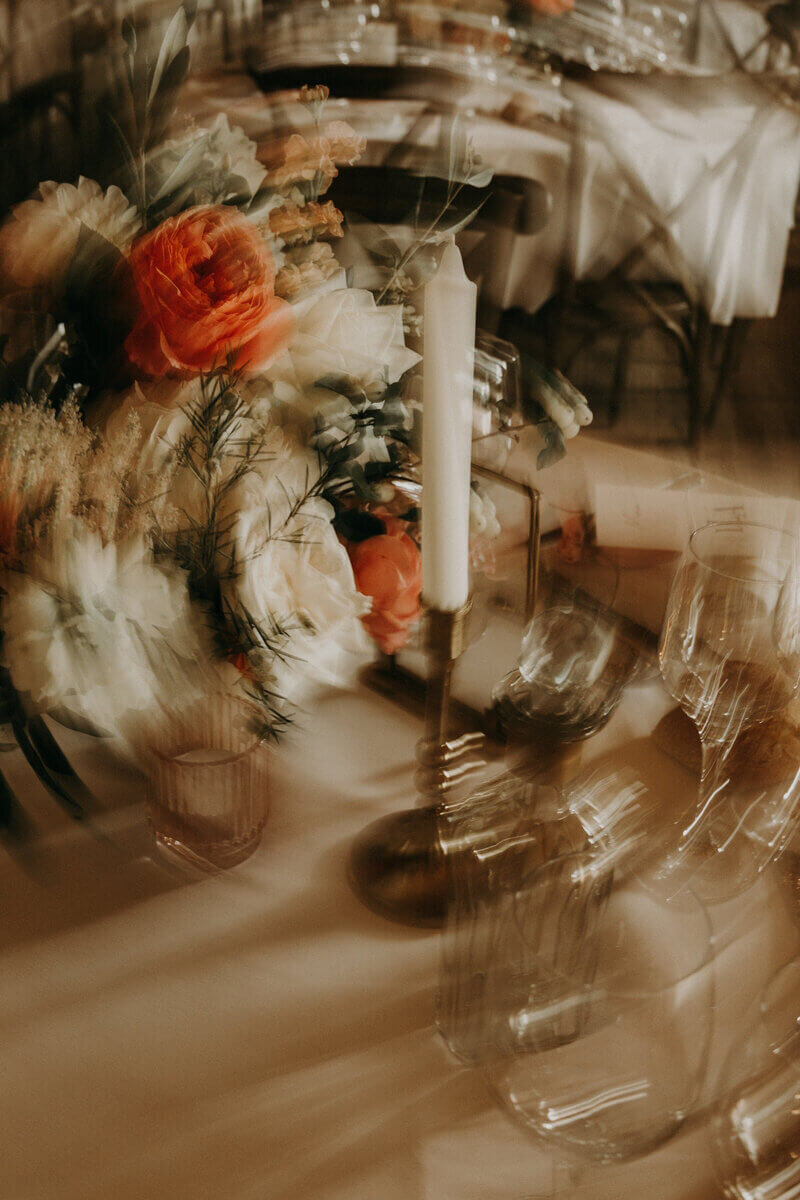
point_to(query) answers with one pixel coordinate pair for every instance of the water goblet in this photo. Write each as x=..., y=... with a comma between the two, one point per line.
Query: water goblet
x=728, y=660
x=574, y=664
x=756, y=1126
x=602, y=1010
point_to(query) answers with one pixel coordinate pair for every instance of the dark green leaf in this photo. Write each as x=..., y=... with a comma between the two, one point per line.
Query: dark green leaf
x=359, y=481
x=482, y=178
x=164, y=103
x=453, y=146
x=236, y=187
x=129, y=34
x=172, y=45
x=445, y=230
x=376, y=471
x=92, y=264
x=376, y=241
x=175, y=73
x=554, y=448
x=355, y=525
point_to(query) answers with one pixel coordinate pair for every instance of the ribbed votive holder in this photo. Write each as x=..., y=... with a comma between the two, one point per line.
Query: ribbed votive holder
x=208, y=782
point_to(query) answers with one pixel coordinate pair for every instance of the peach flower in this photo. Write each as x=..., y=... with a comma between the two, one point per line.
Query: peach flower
x=388, y=567
x=573, y=534
x=551, y=8
x=205, y=285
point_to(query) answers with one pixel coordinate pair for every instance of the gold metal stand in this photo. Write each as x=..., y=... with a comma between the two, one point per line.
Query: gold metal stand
x=397, y=864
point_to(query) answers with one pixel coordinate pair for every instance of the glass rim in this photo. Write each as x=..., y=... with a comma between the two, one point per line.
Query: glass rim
x=767, y=1000
x=632, y=884
x=173, y=759
x=737, y=525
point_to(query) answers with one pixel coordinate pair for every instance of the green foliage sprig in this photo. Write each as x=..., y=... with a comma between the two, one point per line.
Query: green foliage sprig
x=432, y=220
x=219, y=455
x=143, y=98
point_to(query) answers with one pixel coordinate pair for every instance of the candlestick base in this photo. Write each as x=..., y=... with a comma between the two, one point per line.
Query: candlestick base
x=397, y=868
x=398, y=864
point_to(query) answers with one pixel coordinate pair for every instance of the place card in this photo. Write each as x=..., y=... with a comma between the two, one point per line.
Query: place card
x=663, y=519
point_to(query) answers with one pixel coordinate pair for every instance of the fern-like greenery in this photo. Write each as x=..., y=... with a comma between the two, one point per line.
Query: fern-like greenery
x=218, y=454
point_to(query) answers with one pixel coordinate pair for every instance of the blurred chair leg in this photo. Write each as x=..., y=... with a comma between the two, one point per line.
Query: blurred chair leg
x=620, y=382
x=697, y=368
x=735, y=337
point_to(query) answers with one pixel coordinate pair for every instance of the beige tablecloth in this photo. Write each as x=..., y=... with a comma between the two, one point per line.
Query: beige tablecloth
x=262, y=1035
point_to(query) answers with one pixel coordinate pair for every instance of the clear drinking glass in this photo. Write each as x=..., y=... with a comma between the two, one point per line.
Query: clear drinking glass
x=208, y=782
x=728, y=658
x=756, y=1128
x=603, y=1011
x=573, y=666
x=494, y=842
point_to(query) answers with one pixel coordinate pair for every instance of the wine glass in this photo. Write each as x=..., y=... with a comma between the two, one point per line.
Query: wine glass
x=573, y=666
x=787, y=616
x=728, y=656
x=756, y=1127
x=602, y=1003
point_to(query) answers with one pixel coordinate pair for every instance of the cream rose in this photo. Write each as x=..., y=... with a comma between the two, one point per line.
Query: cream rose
x=38, y=240
x=346, y=333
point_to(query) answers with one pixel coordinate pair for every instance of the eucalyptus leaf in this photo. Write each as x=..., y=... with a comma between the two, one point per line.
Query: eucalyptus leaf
x=185, y=169
x=235, y=187
x=444, y=232
x=455, y=139
x=175, y=73
x=173, y=44
x=481, y=178
x=129, y=34
x=376, y=241
x=125, y=146
x=359, y=481
x=554, y=448
x=164, y=102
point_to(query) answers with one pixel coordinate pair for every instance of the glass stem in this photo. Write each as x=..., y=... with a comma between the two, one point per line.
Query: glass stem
x=714, y=781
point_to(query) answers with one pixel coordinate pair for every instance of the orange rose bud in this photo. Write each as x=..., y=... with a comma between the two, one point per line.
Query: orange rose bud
x=388, y=567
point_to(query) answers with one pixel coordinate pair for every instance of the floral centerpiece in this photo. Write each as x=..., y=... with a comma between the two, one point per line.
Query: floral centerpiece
x=202, y=426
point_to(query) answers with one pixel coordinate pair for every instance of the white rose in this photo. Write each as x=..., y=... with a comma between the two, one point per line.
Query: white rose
x=231, y=149
x=101, y=631
x=301, y=577
x=346, y=333
x=238, y=154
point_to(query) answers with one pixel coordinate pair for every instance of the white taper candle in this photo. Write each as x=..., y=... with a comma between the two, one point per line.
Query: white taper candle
x=448, y=369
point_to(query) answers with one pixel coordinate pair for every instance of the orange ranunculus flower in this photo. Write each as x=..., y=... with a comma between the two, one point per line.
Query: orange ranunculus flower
x=388, y=567
x=205, y=284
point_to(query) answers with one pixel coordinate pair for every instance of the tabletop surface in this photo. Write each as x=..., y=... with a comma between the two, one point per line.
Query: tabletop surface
x=260, y=1033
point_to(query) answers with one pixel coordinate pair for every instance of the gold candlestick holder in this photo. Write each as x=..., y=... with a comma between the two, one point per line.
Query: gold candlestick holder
x=397, y=864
